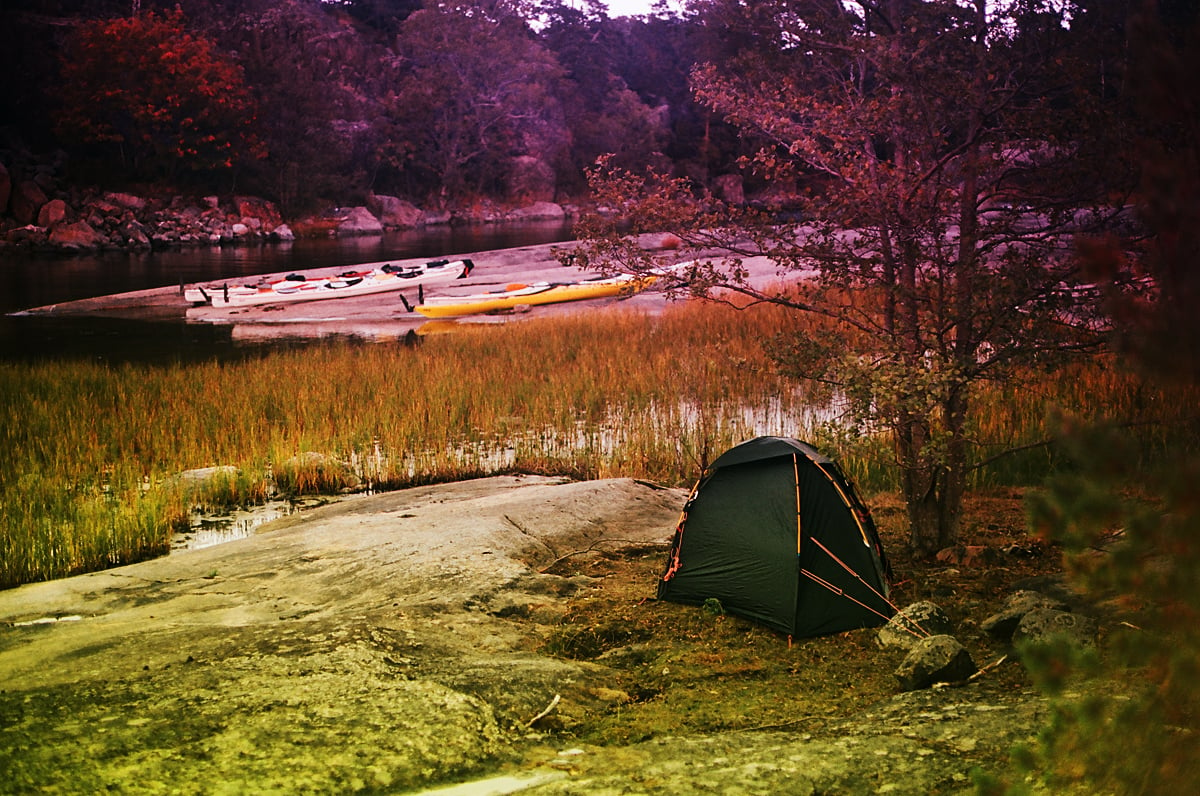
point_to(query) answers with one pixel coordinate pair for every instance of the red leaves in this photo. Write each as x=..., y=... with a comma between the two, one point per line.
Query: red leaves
x=167, y=94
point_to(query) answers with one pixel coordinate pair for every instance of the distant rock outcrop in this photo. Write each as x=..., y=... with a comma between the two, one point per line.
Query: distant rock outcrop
x=119, y=220
x=359, y=221
x=37, y=211
x=730, y=188
x=395, y=213
x=538, y=211
x=26, y=200
x=52, y=213
x=530, y=179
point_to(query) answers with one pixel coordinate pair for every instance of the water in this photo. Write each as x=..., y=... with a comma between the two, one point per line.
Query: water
x=207, y=530
x=36, y=280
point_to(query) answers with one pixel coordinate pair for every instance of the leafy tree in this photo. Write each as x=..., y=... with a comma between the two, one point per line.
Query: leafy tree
x=382, y=15
x=162, y=98
x=945, y=155
x=476, y=90
x=658, y=52
x=321, y=85
x=603, y=115
x=1131, y=529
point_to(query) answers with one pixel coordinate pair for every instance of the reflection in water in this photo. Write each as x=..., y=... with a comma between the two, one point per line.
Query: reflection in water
x=206, y=531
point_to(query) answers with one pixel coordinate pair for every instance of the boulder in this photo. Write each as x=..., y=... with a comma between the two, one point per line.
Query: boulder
x=52, y=213
x=912, y=624
x=28, y=235
x=538, y=211
x=134, y=235
x=1049, y=626
x=249, y=208
x=127, y=201
x=26, y=200
x=395, y=212
x=359, y=221
x=1003, y=624
x=937, y=659
x=78, y=235
x=283, y=232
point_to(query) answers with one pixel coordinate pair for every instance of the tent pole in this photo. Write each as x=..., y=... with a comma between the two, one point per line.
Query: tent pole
x=850, y=504
x=673, y=561
x=796, y=476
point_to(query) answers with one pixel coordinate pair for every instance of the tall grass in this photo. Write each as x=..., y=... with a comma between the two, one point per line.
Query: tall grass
x=94, y=454
x=1018, y=424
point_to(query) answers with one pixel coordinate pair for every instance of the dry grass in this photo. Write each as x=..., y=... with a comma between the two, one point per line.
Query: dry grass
x=93, y=452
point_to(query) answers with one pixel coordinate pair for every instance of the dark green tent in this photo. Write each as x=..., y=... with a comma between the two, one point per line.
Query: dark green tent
x=777, y=534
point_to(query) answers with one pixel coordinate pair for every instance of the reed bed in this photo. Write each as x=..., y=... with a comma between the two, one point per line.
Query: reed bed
x=105, y=462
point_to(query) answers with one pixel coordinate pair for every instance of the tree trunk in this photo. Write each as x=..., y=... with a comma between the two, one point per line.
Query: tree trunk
x=918, y=482
x=954, y=475
x=933, y=493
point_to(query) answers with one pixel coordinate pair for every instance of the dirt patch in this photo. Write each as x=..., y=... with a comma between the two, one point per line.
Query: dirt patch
x=500, y=632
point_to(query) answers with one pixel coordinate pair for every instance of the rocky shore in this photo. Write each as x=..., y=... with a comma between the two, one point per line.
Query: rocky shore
x=38, y=213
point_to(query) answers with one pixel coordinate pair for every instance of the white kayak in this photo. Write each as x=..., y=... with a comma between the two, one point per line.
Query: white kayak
x=360, y=280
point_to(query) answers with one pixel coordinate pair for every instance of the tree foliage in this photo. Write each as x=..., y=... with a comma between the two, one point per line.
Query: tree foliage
x=316, y=78
x=476, y=89
x=163, y=98
x=603, y=115
x=349, y=98
x=1132, y=533
x=950, y=155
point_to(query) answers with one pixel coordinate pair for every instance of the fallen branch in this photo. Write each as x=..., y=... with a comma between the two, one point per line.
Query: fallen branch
x=589, y=549
x=988, y=668
x=553, y=704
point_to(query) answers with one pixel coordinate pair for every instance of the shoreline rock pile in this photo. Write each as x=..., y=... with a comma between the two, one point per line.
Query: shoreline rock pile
x=1028, y=620
x=37, y=214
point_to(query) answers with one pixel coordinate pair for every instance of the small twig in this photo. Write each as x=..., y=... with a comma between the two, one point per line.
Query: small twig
x=590, y=548
x=988, y=668
x=553, y=704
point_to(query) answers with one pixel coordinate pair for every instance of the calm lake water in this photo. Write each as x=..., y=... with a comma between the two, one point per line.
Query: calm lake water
x=38, y=280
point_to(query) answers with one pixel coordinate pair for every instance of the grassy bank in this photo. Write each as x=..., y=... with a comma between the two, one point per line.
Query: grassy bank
x=94, y=453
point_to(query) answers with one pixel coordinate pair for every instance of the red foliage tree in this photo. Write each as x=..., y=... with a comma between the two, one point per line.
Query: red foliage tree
x=159, y=96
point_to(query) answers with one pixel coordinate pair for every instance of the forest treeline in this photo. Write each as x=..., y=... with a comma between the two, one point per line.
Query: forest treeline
x=308, y=102
x=311, y=101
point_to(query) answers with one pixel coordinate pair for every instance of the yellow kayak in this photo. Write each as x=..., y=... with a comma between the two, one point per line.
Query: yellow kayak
x=517, y=296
